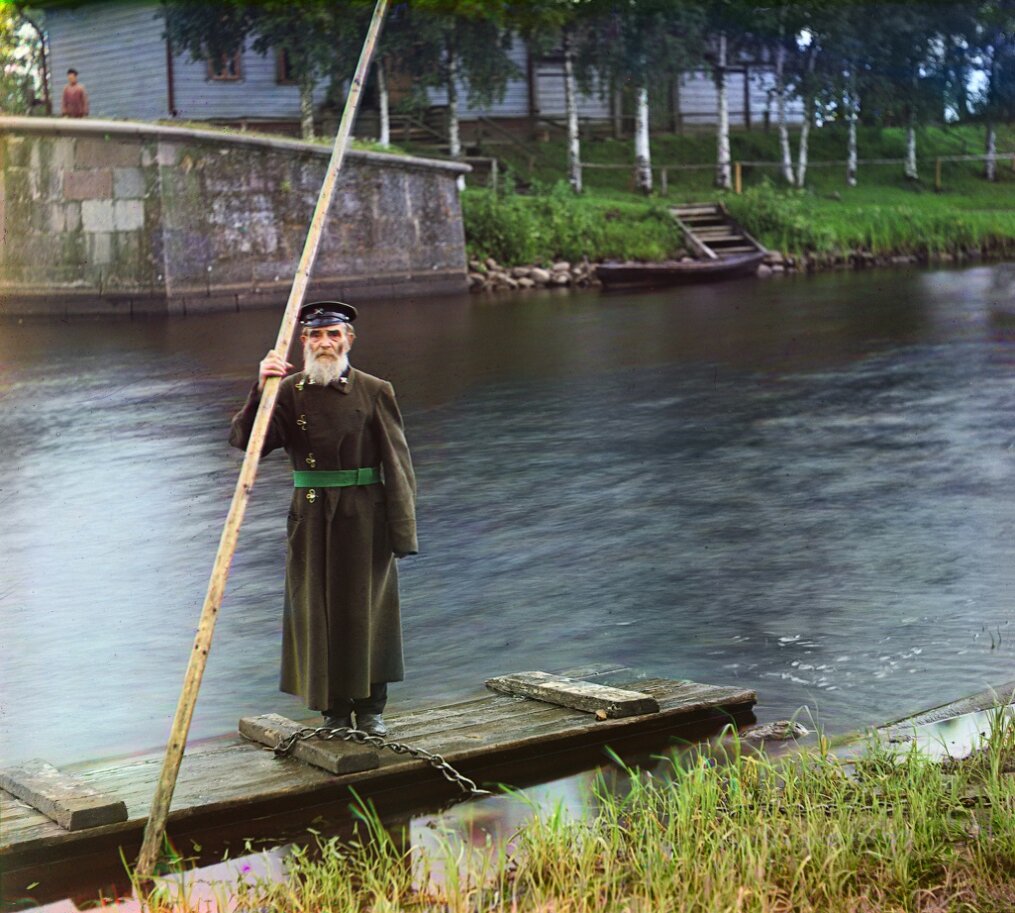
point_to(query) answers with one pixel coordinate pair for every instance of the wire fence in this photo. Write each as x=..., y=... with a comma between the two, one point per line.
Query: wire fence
x=738, y=165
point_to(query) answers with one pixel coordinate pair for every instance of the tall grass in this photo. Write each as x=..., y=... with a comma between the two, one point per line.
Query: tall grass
x=555, y=224
x=893, y=833
x=885, y=215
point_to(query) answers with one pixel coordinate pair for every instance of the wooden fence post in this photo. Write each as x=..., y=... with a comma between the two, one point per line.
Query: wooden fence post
x=664, y=184
x=738, y=178
x=937, y=175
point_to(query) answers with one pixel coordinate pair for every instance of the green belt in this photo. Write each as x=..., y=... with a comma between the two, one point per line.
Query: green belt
x=336, y=478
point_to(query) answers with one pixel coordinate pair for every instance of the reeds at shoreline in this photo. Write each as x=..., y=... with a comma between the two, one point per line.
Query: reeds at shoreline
x=729, y=831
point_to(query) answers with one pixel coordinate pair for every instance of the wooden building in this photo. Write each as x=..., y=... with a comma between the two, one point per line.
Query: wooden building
x=131, y=72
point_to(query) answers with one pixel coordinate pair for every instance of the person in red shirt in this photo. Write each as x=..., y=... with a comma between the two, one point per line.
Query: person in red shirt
x=75, y=98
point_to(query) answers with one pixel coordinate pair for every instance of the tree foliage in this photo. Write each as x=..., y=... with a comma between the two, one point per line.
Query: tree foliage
x=22, y=90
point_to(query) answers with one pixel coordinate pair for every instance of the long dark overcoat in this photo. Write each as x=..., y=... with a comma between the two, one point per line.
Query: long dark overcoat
x=341, y=623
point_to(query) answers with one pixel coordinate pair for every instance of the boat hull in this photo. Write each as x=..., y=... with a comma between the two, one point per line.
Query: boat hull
x=655, y=275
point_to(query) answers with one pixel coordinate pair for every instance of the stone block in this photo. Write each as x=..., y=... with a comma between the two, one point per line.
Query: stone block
x=100, y=248
x=119, y=152
x=93, y=184
x=57, y=218
x=97, y=215
x=19, y=152
x=72, y=216
x=128, y=183
x=167, y=154
x=128, y=215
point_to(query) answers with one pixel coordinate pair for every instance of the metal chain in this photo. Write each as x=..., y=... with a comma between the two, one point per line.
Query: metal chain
x=285, y=747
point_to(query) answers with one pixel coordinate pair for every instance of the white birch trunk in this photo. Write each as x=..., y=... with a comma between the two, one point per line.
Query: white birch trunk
x=642, y=153
x=805, y=127
x=723, y=178
x=574, y=166
x=307, y=108
x=910, y=169
x=990, y=163
x=454, y=136
x=851, y=164
x=382, y=98
x=780, y=100
x=851, y=151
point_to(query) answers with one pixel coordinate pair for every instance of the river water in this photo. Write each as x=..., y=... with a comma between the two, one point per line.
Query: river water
x=802, y=486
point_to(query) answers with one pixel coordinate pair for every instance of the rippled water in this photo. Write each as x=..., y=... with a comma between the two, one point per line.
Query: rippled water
x=799, y=486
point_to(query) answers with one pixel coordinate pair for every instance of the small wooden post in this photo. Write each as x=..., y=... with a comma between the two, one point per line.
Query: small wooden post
x=937, y=174
x=156, y=825
x=664, y=183
x=493, y=175
x=738, y=178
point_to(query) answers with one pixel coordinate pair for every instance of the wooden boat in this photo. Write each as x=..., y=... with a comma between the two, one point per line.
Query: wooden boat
x=676, y=272
x=725, y=250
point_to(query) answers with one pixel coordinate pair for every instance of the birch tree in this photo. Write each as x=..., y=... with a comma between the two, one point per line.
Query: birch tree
x=574, y=167
x=843, y=73
x=458, y=46
x=995, y=49
x=723, y=174
x=901, y=70
x=640, y=44
x=733, y=29
x=547, y=24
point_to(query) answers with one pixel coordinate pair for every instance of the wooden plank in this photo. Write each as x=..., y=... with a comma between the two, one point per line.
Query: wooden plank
x=576, y=694
x=68, y=800
x=694, y=242
x=336, y=757
x=983, y=700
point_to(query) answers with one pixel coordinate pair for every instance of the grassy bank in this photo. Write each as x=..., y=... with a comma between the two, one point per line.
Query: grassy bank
x=885, y=215
x=808, y=834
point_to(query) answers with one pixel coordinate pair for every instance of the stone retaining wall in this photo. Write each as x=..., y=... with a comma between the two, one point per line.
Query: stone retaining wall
x=113, y=217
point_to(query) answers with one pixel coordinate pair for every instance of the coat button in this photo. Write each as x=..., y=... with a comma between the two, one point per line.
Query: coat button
x=311, y=461
x=311, y=495
x=302, y=422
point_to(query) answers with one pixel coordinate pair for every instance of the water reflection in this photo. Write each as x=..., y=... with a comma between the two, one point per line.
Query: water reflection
x=798, y=486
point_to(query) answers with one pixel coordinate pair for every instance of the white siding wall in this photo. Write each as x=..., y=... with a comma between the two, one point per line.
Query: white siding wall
x=699, y=100
x=118, y=51
x=256, y=94
x=516, y=97
x=550, y=78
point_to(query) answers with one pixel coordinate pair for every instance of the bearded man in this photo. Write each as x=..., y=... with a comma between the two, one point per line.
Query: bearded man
x=352, y=514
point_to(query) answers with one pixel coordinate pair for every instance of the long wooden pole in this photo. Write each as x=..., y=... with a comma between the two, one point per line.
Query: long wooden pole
x=155, y=828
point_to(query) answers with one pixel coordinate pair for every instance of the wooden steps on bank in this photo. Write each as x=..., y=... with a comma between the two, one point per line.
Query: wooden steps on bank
x=231, y=779
x=712, y=233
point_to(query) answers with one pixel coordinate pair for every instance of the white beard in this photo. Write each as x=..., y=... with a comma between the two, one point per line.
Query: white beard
x=322, y=369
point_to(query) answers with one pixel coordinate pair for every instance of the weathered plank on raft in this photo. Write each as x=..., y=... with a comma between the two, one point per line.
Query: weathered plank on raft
x=336, y=757
x=68, y=800
x=576, y=694
x=1001, y=695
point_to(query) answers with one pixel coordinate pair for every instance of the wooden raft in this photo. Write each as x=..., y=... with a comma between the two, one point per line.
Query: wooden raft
x=229, y=779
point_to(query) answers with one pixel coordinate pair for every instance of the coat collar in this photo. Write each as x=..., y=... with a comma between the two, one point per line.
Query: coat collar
x=345, y=382
x=343, y=385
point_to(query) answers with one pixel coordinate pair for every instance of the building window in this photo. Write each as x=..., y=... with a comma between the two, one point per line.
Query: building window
x=226, y=68
x=284, y=69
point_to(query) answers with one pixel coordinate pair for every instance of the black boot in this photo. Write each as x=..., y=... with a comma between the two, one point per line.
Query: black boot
x=371, y=723
x=368, y=710
x=337, y=719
